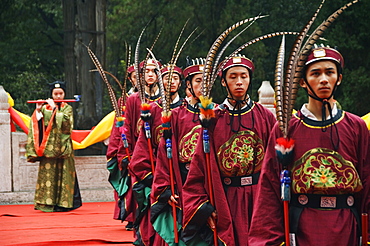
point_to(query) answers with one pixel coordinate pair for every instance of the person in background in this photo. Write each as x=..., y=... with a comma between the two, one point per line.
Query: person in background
x=125, y=205
x=141, y=166
x=186, y=128
x=133, y=122
x=49, y=142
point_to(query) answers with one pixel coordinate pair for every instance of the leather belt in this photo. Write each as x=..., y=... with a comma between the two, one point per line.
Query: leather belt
x=323, y=201
x=240, y=181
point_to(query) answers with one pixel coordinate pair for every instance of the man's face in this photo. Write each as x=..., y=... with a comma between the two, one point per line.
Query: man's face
x=237, y=79
x=150, y=75
x=322, y=76
x=133, y=78
x=196, y=82
x=175, y=81
x=57, y=94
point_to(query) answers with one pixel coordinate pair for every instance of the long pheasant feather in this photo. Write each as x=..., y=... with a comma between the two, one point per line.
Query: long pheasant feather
x=111, y=93
x=293, y=57
x=219, y=56
x=213, y=51
x=128, y=62
x=253, y=41
x=279, y=76
x=140, y=83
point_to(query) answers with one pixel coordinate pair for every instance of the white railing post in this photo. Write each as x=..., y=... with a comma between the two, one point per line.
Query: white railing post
x=267, y=96
x=5, y=143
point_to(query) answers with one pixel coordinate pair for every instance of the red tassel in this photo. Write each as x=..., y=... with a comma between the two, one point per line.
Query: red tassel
x=165, y=119
x=285, y=142
x=145, y=107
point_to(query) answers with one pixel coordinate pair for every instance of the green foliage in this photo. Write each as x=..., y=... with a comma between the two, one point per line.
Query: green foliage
x=31, y=45
x=353, y=91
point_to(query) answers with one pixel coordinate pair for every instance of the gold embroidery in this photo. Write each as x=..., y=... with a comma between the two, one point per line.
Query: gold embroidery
x=188, y=144
x=241, y=155
x=139, y=125
x=324, y=171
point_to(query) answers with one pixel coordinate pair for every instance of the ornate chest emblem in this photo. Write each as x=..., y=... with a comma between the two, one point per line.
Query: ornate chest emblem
x=324, y=171
x=188, y=144
x=241, y=155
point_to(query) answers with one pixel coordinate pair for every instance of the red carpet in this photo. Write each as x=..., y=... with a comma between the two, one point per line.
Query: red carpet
x=90, y=224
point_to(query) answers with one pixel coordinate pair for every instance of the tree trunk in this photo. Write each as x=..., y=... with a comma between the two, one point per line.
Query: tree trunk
x=84, y=25
x=69, y=16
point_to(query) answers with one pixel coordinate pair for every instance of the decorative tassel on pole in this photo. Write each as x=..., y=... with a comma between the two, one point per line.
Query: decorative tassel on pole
x=206, y=111
x=284, y=150
x=120, y=120
x=145, y=112
x=120, y=123
x=125, y=145
x=172, y=184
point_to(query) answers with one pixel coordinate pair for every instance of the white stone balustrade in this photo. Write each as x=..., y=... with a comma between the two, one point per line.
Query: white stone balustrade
x=5, y=146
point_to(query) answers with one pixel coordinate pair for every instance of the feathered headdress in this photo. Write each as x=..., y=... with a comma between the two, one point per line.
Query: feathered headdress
x=209, y=76
x=140, y=77
x=166, y=113
x=194, y=66
x=170, y=68
x=286, y=92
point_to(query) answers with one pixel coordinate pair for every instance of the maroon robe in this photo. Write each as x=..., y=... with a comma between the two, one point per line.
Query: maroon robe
x=141, y=169
x=116, y=155
x=133, y=122
x=132, y=126
x=115, y=147
x=186, y=130
x=114, y=142
x=317, y=169
x=237, y=144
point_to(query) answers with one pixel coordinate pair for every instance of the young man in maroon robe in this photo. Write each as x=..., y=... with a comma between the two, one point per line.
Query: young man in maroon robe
x=186, y=129
x=238, y=137
x=329, y=169
x=133, y=122
x=117, y=165
x=141, y=166
x=131, y=128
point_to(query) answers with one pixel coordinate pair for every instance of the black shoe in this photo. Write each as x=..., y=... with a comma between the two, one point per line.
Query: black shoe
x=130, y=226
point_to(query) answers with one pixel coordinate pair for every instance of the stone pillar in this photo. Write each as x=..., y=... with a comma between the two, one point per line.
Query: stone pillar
x=5, y=143
x=267, y=96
